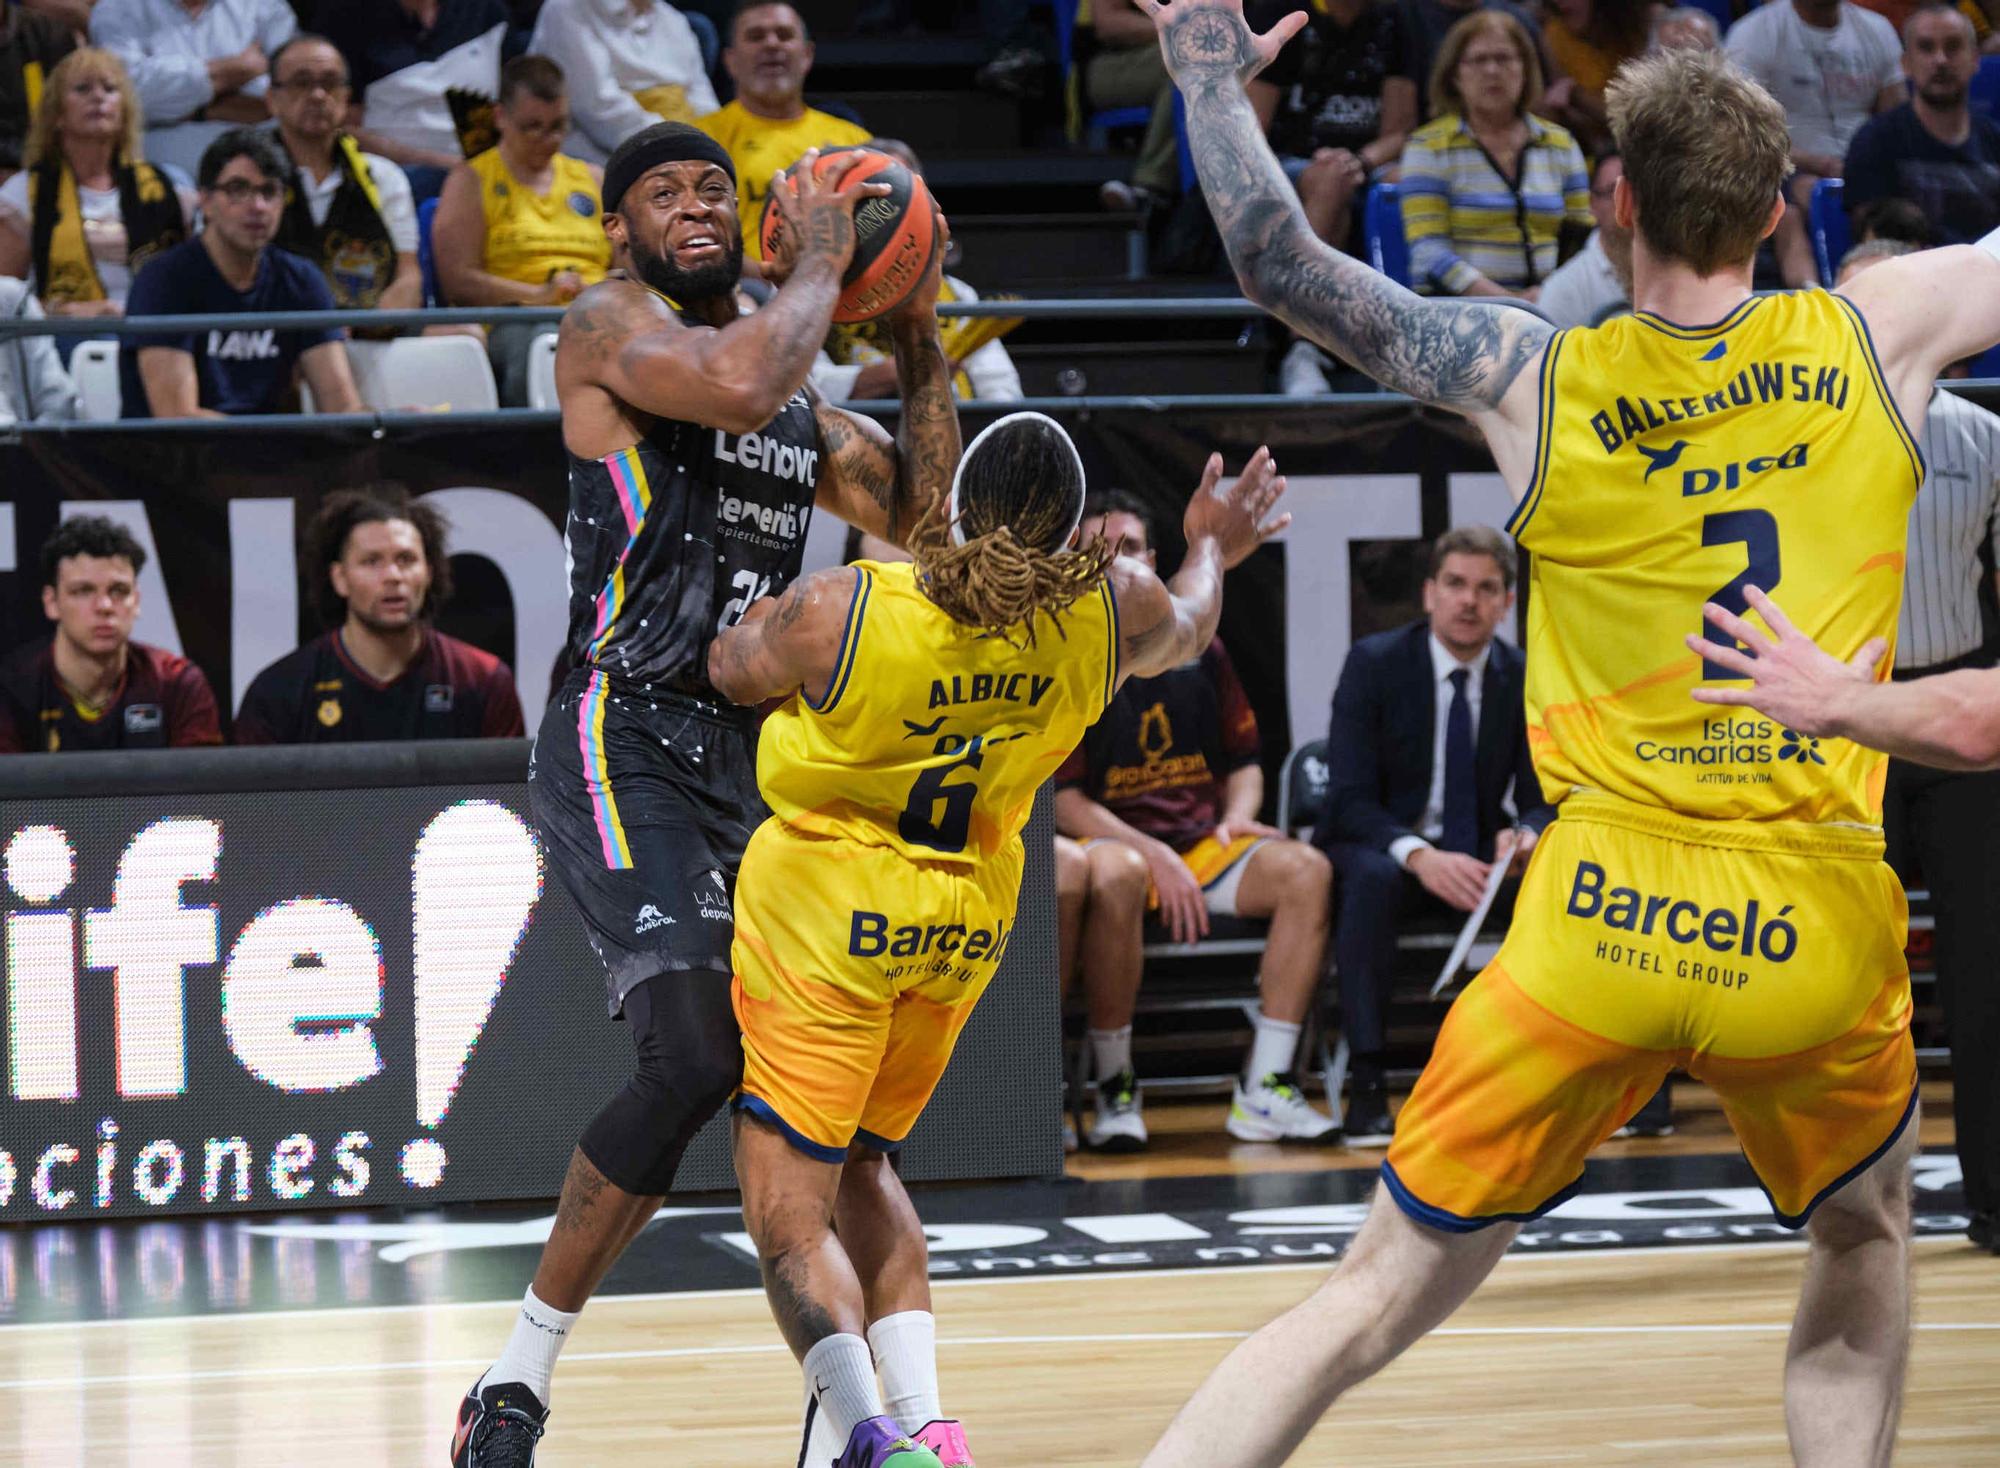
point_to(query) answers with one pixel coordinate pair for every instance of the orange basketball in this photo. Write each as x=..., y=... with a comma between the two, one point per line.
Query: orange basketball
x=895, y=234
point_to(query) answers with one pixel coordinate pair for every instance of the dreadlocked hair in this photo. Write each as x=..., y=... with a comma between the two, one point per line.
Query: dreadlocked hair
x=998, y=582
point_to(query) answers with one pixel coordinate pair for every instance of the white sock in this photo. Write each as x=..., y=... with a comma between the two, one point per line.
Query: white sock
x=905, y=1347
x=820, y=1447
x=1274, y=1050
x=1113, y=1049
x=841, y=1374
x=530, y=1356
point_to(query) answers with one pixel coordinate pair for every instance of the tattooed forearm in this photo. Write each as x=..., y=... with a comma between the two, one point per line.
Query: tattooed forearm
x=928, y=443
x=1163, y=626
x=1456, y=354
x=859, y=457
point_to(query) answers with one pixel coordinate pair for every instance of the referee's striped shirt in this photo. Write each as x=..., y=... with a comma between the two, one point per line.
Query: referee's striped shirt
x=1953, y=512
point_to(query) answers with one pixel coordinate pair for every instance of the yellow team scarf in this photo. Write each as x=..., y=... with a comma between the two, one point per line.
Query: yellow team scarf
x=70, y=273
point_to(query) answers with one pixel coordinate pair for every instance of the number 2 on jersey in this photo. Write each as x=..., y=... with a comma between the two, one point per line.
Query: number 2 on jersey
x=953, y=824
x=1758, y=532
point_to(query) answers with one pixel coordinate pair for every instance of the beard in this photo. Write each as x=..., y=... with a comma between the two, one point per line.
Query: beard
x=703, y=283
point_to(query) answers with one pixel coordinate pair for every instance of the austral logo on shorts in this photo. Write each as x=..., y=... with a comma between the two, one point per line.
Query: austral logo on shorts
x=1721, y=930
x=650, y=917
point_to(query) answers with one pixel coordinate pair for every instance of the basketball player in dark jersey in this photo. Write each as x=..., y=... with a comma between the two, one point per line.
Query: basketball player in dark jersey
x=697, y=456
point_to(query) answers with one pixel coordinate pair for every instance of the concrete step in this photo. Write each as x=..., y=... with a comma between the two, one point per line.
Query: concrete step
x=1076, y=368
x=936, y=121
x=1021, y=252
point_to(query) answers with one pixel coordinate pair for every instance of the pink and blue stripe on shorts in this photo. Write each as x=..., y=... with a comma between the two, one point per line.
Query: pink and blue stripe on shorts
x=597, y=775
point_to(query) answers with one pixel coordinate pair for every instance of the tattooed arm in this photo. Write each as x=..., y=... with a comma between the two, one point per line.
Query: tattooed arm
x=785, y=645
x=627, y=342
x=1464, y=355
x=1163, y=624
x=877, y=486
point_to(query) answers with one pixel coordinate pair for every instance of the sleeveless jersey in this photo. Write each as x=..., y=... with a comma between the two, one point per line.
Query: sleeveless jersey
x=933, y=737
x=532, y=237
x=1675, y=465
x=670, y=540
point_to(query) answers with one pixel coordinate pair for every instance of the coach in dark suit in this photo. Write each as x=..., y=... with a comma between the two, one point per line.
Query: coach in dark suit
x=1428, y=737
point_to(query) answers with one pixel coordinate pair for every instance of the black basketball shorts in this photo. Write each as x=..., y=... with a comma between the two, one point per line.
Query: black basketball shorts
x=645, y=802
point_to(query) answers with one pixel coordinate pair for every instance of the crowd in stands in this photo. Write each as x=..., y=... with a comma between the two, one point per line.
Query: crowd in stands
x=1487, y=115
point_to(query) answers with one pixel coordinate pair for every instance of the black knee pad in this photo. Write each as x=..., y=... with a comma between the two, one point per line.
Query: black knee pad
x=690, y=1059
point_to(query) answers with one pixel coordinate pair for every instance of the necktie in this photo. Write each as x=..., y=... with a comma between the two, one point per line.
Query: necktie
x=1461, y=797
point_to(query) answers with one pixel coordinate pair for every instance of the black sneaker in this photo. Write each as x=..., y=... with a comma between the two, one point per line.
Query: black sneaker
x=1367, y=1120
x=1984, y=1231
x=498, y=1427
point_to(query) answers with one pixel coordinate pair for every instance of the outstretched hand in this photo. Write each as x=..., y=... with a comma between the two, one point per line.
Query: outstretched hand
x=1791, y=678
x=1203, y=39
x=1237, y=517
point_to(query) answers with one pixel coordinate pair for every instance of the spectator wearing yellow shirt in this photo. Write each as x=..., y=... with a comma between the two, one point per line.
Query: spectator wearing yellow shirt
x=521, y=224
x=1588, y=41
x=769, y=126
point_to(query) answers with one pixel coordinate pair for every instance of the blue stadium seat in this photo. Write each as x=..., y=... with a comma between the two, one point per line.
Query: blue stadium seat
x=1382, y=222
x=1186, y=150
x=1987, y=364
x=1093, y=124
x=426, y=212
x=1826, y=221
x=1986, y=87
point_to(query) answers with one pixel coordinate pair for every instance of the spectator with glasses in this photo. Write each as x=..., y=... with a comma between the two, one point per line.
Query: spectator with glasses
x=1596, y=282
x=232, y=266
x=521, y=224
x=1487, y=186
x=349, y=212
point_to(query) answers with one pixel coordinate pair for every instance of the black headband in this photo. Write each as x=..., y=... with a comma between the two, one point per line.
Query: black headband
x=663, y=142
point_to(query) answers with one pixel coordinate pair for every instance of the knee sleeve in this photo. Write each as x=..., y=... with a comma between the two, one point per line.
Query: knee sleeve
x=690, y=1059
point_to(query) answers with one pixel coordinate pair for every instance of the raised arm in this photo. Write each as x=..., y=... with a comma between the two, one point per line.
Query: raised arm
x=628, y=341
x=788, y=644
x=1463, y=355
x=880, y=485
x=1164, y=624
x=1928, y=310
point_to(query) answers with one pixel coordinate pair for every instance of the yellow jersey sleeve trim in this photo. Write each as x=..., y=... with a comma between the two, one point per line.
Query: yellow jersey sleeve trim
x=1700, y=333
x=850, y=645
x=1903, y=434
x=1111, y=632
x=1545, y=406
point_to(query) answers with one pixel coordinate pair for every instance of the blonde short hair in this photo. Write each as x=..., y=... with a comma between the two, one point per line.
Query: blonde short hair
x=1706, y=151
x=45, y=132
x=1445, y=95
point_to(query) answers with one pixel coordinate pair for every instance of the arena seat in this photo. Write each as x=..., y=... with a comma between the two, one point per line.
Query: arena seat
x=1826, y=221
x=421, y=372
x=542, y=372
x=1382, y=223
x=1091, y=126
x=426, y=261
x=1985, y=94
x=95, y=370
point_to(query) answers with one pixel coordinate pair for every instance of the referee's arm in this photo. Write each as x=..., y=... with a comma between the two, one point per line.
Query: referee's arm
x=1948, y=720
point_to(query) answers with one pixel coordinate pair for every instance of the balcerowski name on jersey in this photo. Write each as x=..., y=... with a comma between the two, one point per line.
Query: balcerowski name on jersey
x=1759, y=382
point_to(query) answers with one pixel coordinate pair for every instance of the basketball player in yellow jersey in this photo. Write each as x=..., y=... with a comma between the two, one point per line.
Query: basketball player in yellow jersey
x=925, y=703
x=1712, y=893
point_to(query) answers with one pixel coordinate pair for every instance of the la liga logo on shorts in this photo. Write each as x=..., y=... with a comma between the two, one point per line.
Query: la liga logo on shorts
x=711, y=898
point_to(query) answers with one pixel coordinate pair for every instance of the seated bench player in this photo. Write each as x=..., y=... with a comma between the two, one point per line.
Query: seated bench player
x=380, y=570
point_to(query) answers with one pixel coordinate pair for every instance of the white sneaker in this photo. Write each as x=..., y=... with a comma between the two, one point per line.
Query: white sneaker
x=1275, y=1110
x=1302, y=374
x=1116, y=1125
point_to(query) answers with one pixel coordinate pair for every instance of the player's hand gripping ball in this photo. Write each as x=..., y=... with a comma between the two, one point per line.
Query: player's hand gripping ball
x=895, y=234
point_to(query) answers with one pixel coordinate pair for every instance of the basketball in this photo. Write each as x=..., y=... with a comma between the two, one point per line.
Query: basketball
x=895, y=234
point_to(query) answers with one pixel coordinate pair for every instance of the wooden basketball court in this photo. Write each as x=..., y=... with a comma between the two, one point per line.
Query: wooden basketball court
x=1652, y=1356
x=1644, y=1357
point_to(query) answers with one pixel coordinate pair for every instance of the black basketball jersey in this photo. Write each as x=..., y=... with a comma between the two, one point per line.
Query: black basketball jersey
x=670, y=541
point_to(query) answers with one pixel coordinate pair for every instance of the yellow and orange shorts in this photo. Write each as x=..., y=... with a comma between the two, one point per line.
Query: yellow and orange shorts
x=1218, y=868
x=1765, y=960
x=855, y=970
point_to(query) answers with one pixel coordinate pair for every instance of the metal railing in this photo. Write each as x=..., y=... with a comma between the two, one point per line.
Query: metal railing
x=97, y=326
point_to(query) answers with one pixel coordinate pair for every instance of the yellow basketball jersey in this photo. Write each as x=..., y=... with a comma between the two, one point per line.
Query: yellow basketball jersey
x=933, y=737
x=531, y=237
x=1675, y=465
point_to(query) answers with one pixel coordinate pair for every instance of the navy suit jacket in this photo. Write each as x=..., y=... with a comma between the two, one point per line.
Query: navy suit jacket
x=1379, y=743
